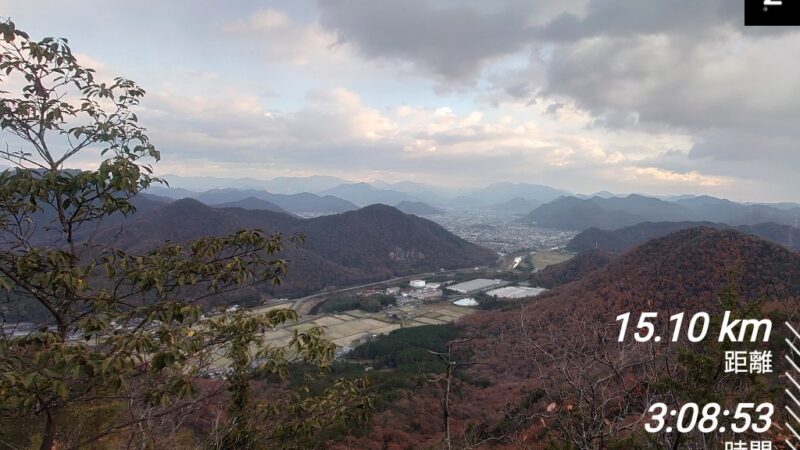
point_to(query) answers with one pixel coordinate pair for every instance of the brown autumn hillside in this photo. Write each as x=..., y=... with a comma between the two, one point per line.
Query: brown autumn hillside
x=683, y=271
x=373, y=243
x=686, y=269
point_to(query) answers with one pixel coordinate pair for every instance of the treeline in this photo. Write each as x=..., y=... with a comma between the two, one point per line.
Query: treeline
x=373, y=303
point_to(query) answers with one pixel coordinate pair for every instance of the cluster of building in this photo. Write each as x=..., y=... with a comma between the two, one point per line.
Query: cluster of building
x=495, y=288
x=499, y=232
x=420, y=290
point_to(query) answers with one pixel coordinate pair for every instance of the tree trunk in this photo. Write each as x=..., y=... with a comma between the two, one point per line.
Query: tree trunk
x=49, y=434
x=446, y=412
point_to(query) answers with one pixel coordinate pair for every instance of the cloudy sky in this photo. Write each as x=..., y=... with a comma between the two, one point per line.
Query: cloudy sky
x=658, y=96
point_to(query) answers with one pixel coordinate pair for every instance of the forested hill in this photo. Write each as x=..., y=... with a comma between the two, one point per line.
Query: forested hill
x=253, y=203
x=571, y=213
x=369, y=244
x=687, y=268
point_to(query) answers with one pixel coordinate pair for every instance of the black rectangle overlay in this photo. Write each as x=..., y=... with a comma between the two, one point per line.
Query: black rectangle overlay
x=771, y=12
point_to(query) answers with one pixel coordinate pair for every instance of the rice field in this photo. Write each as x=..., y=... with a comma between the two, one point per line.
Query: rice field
x=346, y=328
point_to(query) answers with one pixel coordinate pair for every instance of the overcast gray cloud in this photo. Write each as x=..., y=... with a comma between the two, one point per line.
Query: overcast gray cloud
x=626, y=18
x=448, y=39
x=734, y=91
x=728, y=80
x=678, y=62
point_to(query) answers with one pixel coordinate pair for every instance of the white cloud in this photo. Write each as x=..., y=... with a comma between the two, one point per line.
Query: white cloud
x=335, y=131
x=265, y=19
x=647, y=174
x=283, y=40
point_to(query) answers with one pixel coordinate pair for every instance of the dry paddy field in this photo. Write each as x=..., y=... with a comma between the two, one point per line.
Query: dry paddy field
x=347, y=327
x=546, y=258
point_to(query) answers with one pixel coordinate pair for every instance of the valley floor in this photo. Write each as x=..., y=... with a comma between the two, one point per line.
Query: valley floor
x=351, y=327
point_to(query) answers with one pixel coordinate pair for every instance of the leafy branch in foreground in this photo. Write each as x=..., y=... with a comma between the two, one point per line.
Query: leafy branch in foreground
x=115, y=330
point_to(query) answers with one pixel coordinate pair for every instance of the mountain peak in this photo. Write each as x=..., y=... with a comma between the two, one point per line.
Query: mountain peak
x=379, y=211
x=188, y=205
x=694, y=264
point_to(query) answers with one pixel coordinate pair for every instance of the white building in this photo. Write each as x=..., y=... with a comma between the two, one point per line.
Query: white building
x=475, y=285
x=417, y=283
x=469, y=301
x=392, y=290
x=425, y=293
x=516, y=292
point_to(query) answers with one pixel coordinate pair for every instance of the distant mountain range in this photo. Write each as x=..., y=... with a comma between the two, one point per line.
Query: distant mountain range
x=294, y=185
x=725, y=211
x=541, y=205
x=302, y=203
x=781, y=205
x=363, y=194
x=572, y=213
x=418, y=208
x=314, y=184
x=410, y=187
x=503, y=192
x=369, y=244
x=516, y=205
x=622, y=239
x=253, y=203
x=601, y=194
x=490, y=197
